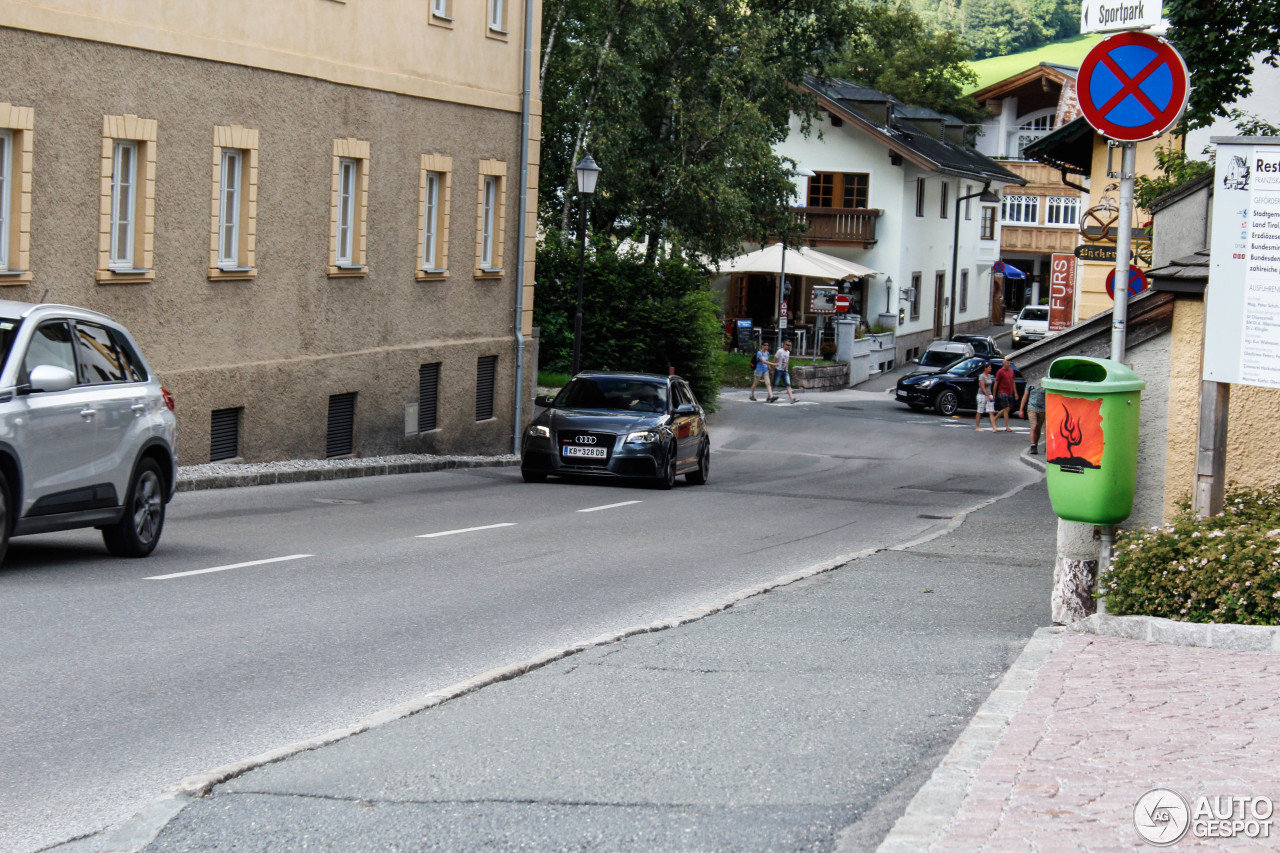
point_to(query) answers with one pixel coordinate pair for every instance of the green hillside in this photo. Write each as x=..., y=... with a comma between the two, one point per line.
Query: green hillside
x=1066, y=52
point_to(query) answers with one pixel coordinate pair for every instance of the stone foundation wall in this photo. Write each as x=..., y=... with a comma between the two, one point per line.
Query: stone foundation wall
x=821, y=377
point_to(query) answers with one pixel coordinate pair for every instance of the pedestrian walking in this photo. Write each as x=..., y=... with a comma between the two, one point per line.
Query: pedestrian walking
x=782, y=374
x=1006, y=393
x=986, y=398
x=762, y=372
x=1032, y=408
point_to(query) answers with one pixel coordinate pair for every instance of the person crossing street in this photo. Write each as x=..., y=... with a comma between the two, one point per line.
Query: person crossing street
x=782, y=374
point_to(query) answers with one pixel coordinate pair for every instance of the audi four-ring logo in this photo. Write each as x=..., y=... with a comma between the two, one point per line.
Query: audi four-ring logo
x=585, y=439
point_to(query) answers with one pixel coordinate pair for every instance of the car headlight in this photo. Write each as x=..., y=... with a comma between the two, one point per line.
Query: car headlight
x=646, y=436
x=927, y=383
x=538, y=431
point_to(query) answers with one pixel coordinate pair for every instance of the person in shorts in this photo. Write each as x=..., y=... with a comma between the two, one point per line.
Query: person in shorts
x=1032, y=408
x=1006, y=393
x=986, y=398
x=782, y=375
x=762, y=372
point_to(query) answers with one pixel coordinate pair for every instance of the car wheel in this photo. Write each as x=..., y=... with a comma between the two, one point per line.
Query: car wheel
x=668, y=477
x=533, y=476
x=698, y=476
x=947, y=402
x=5, y=521
x=137, y=532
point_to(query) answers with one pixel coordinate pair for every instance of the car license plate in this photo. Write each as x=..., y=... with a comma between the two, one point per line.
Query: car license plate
x=589, y=452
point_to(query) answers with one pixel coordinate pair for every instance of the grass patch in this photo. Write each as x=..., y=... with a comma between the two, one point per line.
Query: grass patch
x=1070, y=52
x=549, y=379
x=737, y=370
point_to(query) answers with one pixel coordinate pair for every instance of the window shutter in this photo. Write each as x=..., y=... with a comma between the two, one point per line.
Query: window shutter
x=224, y=434
x=486, y=373
x=341, y=438
x=428, y=391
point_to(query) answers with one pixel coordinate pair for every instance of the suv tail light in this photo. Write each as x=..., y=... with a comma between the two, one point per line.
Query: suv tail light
x=168, y=398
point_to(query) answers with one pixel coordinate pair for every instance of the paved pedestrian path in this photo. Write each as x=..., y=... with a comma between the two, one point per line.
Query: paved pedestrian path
x=1104, y=721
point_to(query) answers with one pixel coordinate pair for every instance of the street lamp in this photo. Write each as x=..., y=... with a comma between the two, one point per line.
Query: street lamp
x=588, y=173
x=986, y=195
x=782, y=269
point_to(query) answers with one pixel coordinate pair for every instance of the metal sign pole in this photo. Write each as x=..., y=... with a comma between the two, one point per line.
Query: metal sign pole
x=1124, y=245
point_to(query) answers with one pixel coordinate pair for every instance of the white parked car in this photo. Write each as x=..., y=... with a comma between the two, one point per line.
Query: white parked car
x=940, y=355
x=1032, y=325
x=87, y=434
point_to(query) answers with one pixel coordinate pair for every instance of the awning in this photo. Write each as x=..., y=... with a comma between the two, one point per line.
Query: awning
x=800, y=262
x=1008, y=270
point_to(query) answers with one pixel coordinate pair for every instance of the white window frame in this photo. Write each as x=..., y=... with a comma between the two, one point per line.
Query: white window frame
x=920, y=198
x=1033, y=126
x=431, y=221
x=440, y=8
x=497, y=15
x=946, y=194
x=489, y=216
x=6, y=188
x=124, y=205
x=1062, y=211
x=348, y=173
x=1020, y=210
x=229, y=208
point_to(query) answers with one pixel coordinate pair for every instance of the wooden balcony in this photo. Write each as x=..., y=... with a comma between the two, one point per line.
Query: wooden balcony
x=839, y=226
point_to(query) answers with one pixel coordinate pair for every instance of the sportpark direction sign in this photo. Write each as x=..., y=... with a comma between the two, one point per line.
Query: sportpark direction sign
x=1109, y=16
x=1132, y=86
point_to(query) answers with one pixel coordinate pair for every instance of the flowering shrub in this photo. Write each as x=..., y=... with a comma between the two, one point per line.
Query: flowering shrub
x=1220, y=569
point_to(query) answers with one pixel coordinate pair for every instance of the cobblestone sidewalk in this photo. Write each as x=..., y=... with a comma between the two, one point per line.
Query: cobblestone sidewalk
x=1109, y=719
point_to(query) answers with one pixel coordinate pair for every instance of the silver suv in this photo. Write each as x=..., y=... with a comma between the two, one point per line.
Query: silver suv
x=87, y=435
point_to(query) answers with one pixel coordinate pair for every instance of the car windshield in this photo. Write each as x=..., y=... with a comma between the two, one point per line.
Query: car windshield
x=938, y=358
x=8, y=331
x=617, y=393
x=962, y=368
x=1037, y=314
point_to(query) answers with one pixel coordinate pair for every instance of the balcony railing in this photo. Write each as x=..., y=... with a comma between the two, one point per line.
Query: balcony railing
x=839, y=226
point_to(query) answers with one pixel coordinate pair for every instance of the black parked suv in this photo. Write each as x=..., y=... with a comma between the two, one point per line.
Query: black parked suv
x=952, y=389
x=604, y=424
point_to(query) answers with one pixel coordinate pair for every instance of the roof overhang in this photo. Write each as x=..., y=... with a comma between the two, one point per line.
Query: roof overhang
x=1068, y=149
x=1032, y=76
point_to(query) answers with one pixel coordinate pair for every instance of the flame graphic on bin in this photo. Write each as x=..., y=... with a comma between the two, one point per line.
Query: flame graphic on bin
x=1074, y=432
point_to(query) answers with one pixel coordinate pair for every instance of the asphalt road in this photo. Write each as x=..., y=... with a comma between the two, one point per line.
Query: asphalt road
x=121, y=677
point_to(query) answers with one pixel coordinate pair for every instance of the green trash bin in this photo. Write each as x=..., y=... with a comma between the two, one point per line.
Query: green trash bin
x=1091, y=438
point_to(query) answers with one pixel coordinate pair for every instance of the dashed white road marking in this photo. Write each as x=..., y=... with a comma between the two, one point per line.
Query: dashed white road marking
x=228, y=568
x=609, y=506
x=466, y=530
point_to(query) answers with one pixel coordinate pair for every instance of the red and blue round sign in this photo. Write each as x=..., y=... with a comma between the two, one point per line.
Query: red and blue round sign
x=1132, y=86
x=1137, y=282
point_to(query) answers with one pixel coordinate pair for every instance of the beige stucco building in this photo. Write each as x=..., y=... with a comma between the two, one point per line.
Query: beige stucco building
x=308, y=212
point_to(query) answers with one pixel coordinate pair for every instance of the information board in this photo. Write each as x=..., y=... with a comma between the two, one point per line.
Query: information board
x=1242, y=303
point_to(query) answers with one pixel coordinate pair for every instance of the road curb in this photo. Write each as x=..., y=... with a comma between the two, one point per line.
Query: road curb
x=934, y=807
x=146, y=825
x=318, y=471
x=1207, y=635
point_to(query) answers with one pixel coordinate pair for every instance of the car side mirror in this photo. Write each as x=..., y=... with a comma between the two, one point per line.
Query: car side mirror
x=916, y=360
x=686, y=409
x=543, y=400
x=47, y=377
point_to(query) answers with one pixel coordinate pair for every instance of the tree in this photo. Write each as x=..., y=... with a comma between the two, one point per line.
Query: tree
x=681, y=102
x=1219, y=42
x=637, y=315
x=900, y=54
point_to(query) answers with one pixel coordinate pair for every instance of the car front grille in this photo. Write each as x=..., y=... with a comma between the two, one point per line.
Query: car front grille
x=575, y=445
